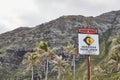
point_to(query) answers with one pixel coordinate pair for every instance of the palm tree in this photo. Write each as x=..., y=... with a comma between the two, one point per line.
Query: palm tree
x=61, y=66
x=72, y=51
x=116, y=56
x=42, y=47
x=47, y=53
x=31, y=59
x=113, y=63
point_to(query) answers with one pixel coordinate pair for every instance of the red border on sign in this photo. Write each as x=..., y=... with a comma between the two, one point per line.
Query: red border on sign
x=88, y=30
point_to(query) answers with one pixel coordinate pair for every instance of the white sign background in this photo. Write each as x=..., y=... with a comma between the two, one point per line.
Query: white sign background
x=85, y=49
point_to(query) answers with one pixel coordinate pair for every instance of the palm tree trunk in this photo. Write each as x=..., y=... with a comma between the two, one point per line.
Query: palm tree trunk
x=73, y=67
x=59, y=74
x=44, y=68
x=118, y=67
x=63, y=77
x=32, y=74
x=46, y=75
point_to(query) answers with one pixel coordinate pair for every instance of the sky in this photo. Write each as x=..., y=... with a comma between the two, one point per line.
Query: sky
x=29, y=13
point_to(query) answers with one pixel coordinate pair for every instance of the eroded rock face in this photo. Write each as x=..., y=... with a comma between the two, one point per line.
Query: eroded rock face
x=57, y=33
x=14, y=57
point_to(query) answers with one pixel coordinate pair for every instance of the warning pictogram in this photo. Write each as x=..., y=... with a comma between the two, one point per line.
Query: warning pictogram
x=88, y=40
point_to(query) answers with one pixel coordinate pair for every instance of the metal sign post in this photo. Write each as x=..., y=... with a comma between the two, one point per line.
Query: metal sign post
x=88, y=44
x=89, y=67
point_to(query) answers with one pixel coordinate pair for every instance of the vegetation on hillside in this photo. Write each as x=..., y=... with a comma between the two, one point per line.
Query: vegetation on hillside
x=50, y=66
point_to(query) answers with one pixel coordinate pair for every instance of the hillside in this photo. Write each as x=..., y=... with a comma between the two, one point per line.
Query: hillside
x=14, y=44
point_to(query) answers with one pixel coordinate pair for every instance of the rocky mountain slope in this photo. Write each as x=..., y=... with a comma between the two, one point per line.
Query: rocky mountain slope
x=14, y=44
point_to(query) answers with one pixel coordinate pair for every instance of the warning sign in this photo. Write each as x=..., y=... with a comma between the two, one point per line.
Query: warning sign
x=88, y=41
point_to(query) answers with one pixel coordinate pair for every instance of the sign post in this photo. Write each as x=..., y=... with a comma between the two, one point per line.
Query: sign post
x=88, y=44
x=89, y=68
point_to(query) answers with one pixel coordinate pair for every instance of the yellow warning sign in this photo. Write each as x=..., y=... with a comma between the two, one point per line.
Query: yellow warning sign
x=88, y=40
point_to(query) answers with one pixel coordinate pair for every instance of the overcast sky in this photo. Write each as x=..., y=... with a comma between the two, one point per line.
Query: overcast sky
x=28, y=13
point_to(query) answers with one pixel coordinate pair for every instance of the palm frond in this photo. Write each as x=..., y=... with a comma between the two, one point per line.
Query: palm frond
x=70, y=48
x=43, y=45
